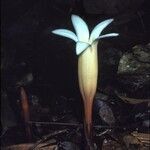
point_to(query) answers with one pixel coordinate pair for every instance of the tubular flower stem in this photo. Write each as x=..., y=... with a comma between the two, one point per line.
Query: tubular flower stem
x=87, y=75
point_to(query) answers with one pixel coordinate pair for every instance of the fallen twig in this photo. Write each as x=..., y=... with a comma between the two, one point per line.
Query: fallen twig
x=56, y=123
x=81, y=126
x=44, y=138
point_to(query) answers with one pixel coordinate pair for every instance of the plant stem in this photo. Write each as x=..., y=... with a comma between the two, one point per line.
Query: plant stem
x=87, y=74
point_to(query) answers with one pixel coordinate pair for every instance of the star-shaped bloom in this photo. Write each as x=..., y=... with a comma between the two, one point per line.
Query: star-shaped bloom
x=82, y=37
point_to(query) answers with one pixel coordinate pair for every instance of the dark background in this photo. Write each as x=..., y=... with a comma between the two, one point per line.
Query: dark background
x=27, y=40
x=28, y=46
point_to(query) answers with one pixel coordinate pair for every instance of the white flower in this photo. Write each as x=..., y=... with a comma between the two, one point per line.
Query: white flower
x=86, y=46
x=82, y=37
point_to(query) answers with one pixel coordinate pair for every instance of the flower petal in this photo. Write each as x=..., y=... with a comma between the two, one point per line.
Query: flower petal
x=81, y=28
x=99, y=28
x=108, y=35
x=66, y=33
x=81, y=46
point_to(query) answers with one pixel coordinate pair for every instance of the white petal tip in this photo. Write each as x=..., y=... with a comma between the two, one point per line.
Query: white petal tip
x=107, y=22
x=65, y=33
x=108, y=35
x=110, y=20
x=73, y=15
x=55, y=31
x=114, y=34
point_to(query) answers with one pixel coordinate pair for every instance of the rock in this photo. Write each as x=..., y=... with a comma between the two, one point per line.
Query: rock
x=135, y=62
x=101, y=96
x=134, y=72
x=66, y=145
x=146, y=123
x=104, y=111
x=111, y=145
x=142, y=53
